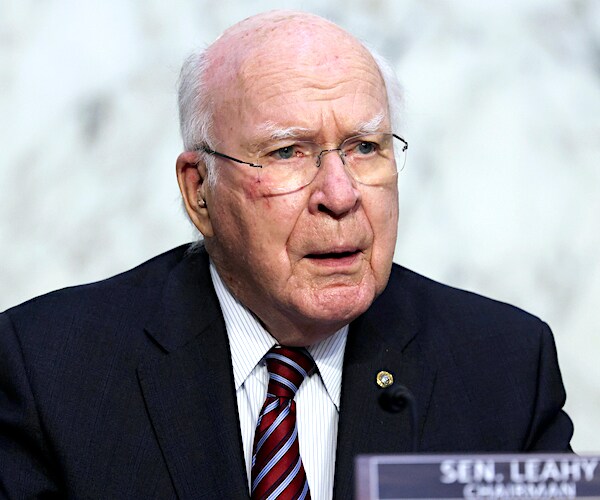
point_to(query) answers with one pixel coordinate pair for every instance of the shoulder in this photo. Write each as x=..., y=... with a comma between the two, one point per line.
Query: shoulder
x=97, y=311
x=458, y=315
x=144, y=276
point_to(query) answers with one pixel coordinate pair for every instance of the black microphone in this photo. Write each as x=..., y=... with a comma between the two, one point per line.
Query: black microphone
x=394, y=399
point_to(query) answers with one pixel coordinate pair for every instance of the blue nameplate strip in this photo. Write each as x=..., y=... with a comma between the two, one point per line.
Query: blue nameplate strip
x=541, y=476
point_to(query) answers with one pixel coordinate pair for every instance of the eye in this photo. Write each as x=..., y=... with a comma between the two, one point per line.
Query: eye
x=366, y=147
x=296, y=151
x=284, y=153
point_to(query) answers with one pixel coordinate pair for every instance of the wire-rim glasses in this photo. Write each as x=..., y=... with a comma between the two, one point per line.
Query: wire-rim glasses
x=287, y=165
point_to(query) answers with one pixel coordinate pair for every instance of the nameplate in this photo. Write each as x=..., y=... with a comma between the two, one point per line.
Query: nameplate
x=541, y=476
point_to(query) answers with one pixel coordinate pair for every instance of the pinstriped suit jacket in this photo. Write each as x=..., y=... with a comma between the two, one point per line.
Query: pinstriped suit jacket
x=124, y=388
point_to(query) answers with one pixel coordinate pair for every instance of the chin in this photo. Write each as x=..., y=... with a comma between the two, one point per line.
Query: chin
x=340, y=305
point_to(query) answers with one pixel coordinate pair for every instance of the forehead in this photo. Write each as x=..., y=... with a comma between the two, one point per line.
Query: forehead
x=297, y=74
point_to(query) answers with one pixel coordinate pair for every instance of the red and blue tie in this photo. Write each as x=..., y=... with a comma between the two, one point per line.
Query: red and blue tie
x=277, y=470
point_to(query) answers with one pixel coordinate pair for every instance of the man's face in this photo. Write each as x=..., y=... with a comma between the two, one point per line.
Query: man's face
x=309, y=261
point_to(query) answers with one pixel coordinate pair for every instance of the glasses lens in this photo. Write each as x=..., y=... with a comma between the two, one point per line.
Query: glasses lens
x=370, y=158
x=288, y=167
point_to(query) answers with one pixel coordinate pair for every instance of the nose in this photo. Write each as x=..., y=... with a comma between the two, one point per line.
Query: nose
x=325, y=151
x=334, y=191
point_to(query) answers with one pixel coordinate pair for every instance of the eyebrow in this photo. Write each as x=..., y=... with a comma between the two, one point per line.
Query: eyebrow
x=269, y=131
x=371, y=126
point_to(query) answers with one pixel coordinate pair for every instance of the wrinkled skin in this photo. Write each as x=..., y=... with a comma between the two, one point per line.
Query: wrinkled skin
x=310, y=261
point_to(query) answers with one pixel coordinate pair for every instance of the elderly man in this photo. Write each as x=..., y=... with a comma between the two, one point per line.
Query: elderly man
x=252, y=363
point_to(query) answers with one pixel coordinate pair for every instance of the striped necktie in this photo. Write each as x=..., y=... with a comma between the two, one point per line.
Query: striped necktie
x=277, y=470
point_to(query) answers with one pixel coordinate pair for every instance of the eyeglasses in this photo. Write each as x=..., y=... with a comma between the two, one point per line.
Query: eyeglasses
x=287, y=166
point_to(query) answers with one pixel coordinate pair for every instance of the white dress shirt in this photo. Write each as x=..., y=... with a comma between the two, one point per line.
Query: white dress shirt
x=317, y=399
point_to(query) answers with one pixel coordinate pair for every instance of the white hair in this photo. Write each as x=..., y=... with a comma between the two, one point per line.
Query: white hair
x=393, y=89
x=196, y=110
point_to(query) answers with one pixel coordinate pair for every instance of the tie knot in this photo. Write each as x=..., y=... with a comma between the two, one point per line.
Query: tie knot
x=288, y=366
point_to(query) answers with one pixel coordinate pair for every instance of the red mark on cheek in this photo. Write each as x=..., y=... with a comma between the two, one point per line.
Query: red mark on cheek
x=255, y=191
x=252, y=189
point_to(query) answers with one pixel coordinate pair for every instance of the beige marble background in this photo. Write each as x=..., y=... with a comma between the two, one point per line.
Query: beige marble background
x=500, y=195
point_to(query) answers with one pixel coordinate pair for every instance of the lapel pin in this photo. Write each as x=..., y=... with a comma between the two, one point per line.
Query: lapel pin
x=384, y=379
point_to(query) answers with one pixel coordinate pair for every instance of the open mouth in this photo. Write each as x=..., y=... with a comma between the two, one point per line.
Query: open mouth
x=332, y=255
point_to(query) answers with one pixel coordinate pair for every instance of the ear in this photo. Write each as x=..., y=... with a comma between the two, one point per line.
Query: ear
x=192, y=176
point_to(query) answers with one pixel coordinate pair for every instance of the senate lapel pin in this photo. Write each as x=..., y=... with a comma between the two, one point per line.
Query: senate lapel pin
x=384, y=379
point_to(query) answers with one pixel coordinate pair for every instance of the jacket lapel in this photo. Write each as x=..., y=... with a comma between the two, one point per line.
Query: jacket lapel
x=384, y=338
x=189, y=388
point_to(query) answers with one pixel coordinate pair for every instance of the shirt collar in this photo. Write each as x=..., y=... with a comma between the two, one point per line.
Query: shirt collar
x=249, y=342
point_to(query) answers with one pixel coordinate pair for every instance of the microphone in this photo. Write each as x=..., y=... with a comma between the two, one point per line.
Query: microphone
x=394, y=399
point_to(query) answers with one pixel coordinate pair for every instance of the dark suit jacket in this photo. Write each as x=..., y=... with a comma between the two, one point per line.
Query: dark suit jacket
x=124, y=388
